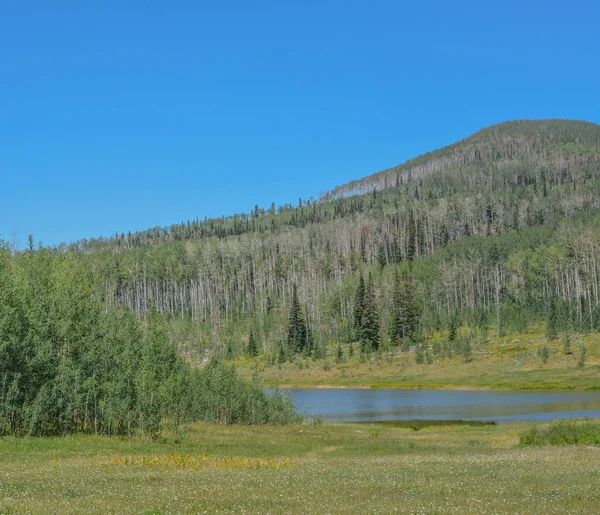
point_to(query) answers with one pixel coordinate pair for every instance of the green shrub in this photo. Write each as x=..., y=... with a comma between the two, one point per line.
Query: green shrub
x=544, y=353
x=582, y=356
x=563, y=432
x=219, y=395
x=420, y=355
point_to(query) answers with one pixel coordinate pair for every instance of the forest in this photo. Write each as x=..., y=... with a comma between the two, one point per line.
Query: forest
x=491, y=231
x=499, y=231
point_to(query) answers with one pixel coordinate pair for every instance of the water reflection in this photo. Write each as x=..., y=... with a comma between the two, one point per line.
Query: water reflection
x=388, y=404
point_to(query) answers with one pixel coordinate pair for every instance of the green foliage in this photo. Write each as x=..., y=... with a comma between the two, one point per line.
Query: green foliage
x=299, y=336
x=487, y=231
x=552, y=321
x=252, y=349
x=453, y=327
x=582, y=356
x=405, y=311
x=544, y=354
x=339, y=356
x=487, y=228
x=466, y=350
x=369, y=320
x=429, y=357
x=359, y=305
x=563, y=432
x=71, y=362
x=420, y=355
x=567, y=345
x=220, y=395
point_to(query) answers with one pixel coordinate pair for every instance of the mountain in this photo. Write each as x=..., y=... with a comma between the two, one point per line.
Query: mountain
x=490, y=230
x=532, y=141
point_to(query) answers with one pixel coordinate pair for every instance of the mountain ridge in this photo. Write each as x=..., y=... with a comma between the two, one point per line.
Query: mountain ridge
x=508, y=129
x=516, y=139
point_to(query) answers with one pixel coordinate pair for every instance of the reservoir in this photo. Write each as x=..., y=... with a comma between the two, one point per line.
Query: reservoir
x=353, y=404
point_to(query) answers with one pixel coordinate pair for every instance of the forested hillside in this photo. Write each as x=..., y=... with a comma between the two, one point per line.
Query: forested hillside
x=499, y=230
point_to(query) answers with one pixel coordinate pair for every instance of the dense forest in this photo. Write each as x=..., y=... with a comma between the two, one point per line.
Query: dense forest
x=500, y=230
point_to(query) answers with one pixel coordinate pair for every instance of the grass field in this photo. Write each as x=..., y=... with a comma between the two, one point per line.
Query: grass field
x=349, y=468
x=507, y=363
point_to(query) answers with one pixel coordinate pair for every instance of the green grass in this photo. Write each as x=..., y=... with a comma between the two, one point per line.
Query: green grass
x=329, y=468
x=507, y=363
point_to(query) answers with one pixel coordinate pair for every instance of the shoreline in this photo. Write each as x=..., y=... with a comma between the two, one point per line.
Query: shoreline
x=532, y=389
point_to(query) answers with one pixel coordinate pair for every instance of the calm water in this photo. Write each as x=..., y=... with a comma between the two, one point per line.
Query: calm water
x=341, y=405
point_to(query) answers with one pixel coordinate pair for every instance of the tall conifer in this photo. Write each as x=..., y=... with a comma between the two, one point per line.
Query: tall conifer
x=252, y=345
x=297, y=335
x=405, y=310
x=369, y=319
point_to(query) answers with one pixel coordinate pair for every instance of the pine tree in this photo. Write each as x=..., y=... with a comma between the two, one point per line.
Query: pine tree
x=405, y=311
x=453, y=327
x=297, y=335
x=396, y=327
x=252, y=345
x=369, y=319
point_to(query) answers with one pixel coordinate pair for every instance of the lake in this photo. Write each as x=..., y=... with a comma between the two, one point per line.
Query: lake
x=353, y=404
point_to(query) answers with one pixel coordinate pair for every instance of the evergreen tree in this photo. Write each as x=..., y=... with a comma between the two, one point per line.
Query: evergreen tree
x=298, y=339
x=552, y=321
x=252, y=345
x=369, y=329
x=405, y=310
x=453, y=327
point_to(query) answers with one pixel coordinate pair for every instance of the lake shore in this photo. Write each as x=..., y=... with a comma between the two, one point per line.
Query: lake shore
x=510, y=363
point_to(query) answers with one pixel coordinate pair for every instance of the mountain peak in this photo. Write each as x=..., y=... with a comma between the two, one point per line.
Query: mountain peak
x=514, y=139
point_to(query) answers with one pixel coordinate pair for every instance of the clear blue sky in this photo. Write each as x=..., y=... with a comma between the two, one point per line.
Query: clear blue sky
x=119, y=116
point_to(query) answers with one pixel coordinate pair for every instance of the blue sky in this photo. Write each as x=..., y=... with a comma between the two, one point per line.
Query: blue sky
x=118, y=116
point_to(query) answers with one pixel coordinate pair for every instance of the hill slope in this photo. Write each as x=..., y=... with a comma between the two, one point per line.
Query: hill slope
x=493, y=230
x=531, y=141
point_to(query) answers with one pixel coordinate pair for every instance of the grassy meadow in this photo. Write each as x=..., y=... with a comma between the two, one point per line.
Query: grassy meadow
x=511, y=362
x=329, y=468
